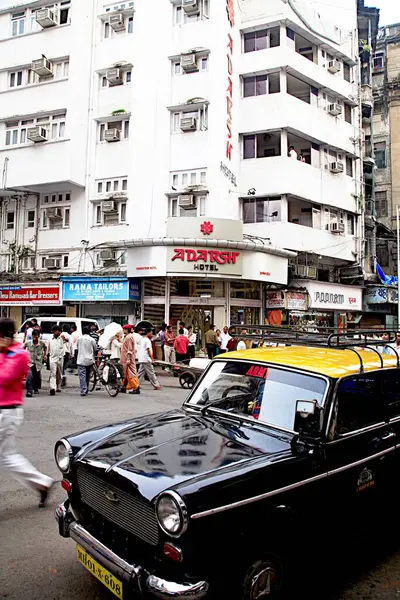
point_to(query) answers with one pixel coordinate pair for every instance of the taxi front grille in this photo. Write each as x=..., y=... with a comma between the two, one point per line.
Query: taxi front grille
x=129, y=512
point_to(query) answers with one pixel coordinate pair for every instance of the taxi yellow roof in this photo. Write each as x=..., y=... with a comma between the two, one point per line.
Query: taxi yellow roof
x=324, y=361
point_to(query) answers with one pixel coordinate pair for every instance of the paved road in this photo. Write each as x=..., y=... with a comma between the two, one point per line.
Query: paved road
x=37, y=564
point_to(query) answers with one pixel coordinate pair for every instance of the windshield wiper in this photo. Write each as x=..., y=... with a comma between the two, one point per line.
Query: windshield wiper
x=222, y=400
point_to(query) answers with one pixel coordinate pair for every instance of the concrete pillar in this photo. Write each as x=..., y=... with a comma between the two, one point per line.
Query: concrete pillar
x=70, y=311
x=16, y=315
x=284, y=209
x=228, y=303
x=219, y=317
x=167, y=299
x=283, y=81
x=284, y=143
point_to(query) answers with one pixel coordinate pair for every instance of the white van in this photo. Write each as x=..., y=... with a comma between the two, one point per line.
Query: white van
x=47, y=323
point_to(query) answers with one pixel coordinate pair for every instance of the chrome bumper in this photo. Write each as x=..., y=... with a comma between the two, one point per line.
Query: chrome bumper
x=133, y=575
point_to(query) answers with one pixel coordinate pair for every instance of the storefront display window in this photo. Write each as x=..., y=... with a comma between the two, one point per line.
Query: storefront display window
x=197, y=287
x=247, y=290
x=245, y=316
x=312, y=321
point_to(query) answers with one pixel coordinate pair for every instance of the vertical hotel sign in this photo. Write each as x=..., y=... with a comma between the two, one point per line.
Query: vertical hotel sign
x=230, y=10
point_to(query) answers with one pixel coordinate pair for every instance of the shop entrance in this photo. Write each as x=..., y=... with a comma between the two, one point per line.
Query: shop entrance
x=199, y=317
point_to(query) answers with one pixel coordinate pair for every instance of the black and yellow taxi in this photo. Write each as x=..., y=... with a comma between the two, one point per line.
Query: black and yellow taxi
x=211, y=496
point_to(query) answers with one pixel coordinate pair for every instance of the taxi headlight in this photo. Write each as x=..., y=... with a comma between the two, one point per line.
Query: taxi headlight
x=172, y=514
x=63, y=456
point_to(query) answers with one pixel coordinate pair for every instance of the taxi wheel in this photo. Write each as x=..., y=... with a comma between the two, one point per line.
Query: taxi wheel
x=263, y=580
x=187, y=380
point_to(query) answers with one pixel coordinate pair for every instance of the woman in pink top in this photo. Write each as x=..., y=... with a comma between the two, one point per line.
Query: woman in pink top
x=14, y=366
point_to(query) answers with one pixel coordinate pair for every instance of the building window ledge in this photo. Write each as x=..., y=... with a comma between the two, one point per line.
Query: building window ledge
x=28, y=33
x=32, y=145
x=33, y=85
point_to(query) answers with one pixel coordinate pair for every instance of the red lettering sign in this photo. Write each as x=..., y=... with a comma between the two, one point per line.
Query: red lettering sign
x=230, y=9
x=219, y=257
x=256, y=371
x=30, y=295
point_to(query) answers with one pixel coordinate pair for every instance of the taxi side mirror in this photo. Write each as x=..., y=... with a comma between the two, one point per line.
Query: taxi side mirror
x=308, y=419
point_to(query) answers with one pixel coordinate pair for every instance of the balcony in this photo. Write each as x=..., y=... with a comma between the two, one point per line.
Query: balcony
x=285, y=111
x=45, y=163
x=279, y=175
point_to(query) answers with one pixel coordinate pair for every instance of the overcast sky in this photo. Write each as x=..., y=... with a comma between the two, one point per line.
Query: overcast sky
x=390, y=10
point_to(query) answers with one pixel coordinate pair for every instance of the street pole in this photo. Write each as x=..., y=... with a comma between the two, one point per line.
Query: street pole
x=398, y=266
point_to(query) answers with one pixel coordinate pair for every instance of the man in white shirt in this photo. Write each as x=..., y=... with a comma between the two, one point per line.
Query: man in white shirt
x=138, y=335
x=242, y=344
x=292, y=153
x=56, y=357
x=182, y=326
x=224, y=339
x=146, y=360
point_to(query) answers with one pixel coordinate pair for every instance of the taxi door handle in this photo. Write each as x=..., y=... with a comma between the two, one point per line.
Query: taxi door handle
x=388, y=436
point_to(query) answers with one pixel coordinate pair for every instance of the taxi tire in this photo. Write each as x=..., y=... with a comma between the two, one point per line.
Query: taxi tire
x=264, y=572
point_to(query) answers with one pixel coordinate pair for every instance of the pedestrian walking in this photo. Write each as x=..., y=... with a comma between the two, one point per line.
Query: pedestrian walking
x=74, y=340
x=14, y=365
x=28, y=332
x=169, y=346
x=87, y=349
x=181, y=345
x=146, y=360
x=211, y=340
x=37, y=357
x=94, y=333
x=116, y=346
x=161, y=337
x=218, y=348
x=128, y=362
x=224, y=339
x=66, y=338
x=192, y=337
x=138, y=335
x=56, y=357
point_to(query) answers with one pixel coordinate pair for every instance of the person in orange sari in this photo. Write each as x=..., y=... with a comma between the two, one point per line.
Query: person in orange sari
x=128, y=360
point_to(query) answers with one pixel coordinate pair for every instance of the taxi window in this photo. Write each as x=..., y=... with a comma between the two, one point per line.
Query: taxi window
x=266, y=393
x=391, y=391
x=359, y=402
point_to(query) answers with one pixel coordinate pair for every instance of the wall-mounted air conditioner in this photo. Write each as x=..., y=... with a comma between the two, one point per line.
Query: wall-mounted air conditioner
x=336, y=167
x=300, y=270
x=112, y=135
x=334, y=66
x=54, y=214
x=337, y=227
x=189, y=62
x=335, y=109
x=107, y=254
x=46, y=17
x=191, y=7
x=311, y=272
x=188, y=124
x=114, y=76
x=187, y=201
x=42, y=67
x=37, y=134
x=52, y=263
x=117, y=22
x=109, y=206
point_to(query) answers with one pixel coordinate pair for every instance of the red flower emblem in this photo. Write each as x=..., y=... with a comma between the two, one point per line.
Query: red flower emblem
x=207, y=227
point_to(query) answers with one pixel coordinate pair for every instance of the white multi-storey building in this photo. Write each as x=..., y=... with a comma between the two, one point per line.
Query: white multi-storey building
x=204, y=148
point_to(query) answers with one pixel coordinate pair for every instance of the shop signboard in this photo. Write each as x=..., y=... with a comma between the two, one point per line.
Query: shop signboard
x=30, y=294
x=276, y=299
x=201, y=261
x=393, y=296
x=331, y=296
x=296, y=301
x=95, y=289
x=376, y=295
x=135, y=288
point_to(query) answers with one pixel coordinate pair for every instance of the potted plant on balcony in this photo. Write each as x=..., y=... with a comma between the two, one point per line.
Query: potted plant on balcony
x=365, y=51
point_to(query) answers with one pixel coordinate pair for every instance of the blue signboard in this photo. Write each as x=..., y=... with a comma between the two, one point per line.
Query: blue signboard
x=95, y=289
x=135, y=287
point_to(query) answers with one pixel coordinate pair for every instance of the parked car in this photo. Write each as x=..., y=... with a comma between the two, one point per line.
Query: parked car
x=46, y=324
x=269, y=444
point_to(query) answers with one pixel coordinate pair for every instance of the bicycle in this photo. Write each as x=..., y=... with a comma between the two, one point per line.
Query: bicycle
x=106, y=373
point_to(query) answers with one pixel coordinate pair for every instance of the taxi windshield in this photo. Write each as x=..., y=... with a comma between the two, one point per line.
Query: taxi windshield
x=268, y=394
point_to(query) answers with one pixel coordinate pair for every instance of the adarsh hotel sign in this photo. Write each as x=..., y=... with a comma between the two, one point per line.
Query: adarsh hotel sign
x=199, y=261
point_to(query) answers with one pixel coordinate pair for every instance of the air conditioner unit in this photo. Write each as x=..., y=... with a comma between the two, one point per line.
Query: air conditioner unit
x=336, y=167
x=337, y=227
x=114, y=76
x=107, y=254
x=112, y=135
x=52, y=263
x=117, y=22
x=42, y=67
x=189, y=62
x=311, y=272
x=109, y=206
x=54, y=214
x=334, y=109
x=46, y=17
x=333, y=66
x=300, y=270
x=191, y=7
x=187, y=201
x=37, y=134
x=188, y=124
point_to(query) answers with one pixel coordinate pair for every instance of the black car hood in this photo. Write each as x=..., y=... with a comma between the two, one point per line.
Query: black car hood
x=165, y=451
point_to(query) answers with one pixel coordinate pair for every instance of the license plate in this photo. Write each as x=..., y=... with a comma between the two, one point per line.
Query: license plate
x=102, y=574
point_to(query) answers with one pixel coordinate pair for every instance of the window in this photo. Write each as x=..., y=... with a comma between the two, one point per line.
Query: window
x=98, y=215
x=262, y=210
x=118, y=184
x=30, y=218
x=349, y=166
x=61, y=69
x=204, y=63
x=16, y=131
x=116, y=217
x=181, y=17
x=15, y=79
x=348, y=111
x=350, y=225
x=122, y=126
x=128, y=76
x=123, y=212
x=130, y=25
x=64, y=12
x=357, y=405
x=255, y=40
x=66, y=217
x=262, y=145
x=176, y=68
x=104, y=82
x=198, y=209
x=380, y=155
x=29, y=262
x=260, y=85
x=107, y=30
x=381, y=204
x=65, y=260
x=379, y=60
x=347, y=72
x=18, y=23
x=200, y=116
x=181, y=179
x=10, y=220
